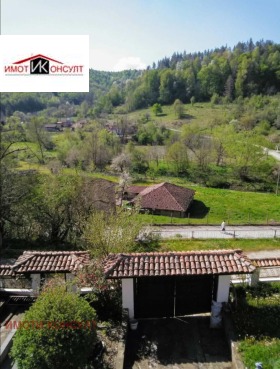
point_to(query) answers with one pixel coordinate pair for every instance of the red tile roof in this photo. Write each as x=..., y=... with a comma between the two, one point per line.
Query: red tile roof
x=6, y=270
x=177, y=264
x=165, y=196
x=50, y=261
x=135, y=189
x=267, y=262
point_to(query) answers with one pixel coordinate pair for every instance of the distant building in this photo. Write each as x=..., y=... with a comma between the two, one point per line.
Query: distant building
x=53, y=127
x=163, y=199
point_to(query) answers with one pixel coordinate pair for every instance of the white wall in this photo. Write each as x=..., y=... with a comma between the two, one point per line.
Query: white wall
x=223, y=288
x=128, y=296
x=36, y=279
x=255, y=277
x=71, y=286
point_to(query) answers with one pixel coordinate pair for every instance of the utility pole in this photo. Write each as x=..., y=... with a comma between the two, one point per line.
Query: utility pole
x=277, y=184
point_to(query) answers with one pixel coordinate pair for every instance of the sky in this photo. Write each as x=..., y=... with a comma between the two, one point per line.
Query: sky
x=128, y=34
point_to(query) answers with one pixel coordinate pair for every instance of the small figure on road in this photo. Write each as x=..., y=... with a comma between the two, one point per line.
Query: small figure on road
x=223, y=226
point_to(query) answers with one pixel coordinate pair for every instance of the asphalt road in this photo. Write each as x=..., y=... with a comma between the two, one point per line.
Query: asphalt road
x=215, y=232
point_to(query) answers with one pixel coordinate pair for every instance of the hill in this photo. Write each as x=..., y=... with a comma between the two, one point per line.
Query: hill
x=100, y=84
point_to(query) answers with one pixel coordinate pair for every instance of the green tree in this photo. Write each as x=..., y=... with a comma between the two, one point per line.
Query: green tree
x=178, y=155
x=166, y=89
x=178, y=108
x=157, y=109
x=57, y=332
x=54, y=207
x=35, y=132
x=15, y=186
x=112, y=233
x=100, y=146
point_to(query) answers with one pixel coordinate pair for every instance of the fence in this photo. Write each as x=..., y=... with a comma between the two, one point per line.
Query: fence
x=192, y=233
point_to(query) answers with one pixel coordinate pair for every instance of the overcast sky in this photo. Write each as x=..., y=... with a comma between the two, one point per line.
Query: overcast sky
x=135, y=33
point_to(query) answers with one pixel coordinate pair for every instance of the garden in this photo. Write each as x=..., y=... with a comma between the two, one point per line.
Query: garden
x=257, y=322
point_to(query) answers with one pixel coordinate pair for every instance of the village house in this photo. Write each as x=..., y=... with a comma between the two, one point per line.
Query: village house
x=162, y=199
x=53, y=127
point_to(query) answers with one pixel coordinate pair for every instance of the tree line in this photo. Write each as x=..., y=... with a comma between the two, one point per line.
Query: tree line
x=247, y=69
x=242, y=71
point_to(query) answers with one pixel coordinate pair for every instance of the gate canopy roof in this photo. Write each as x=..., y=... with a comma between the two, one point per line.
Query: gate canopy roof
x=162, y=264
x=50, y=261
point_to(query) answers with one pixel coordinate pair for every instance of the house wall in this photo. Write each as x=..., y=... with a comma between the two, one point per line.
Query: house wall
x=223, y=288
x=128, y=296
x=168, y=213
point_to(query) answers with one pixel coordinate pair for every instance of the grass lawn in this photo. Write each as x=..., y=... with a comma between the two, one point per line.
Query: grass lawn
x=201, y=113
x=243, y=244
x=257, y=321
x=212, y=205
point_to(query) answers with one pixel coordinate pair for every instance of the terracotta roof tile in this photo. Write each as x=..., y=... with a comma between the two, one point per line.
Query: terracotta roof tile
x=177, y=263
x=50, y=261
x=165, y=196
x=267, y=262
x=135, y=189
x=6, y=271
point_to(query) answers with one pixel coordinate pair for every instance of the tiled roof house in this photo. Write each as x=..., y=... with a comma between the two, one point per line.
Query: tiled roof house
x=165, y=199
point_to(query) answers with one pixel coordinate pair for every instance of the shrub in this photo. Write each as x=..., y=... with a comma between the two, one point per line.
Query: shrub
x=58, y=332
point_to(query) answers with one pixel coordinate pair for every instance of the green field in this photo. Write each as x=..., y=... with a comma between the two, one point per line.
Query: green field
x=201, y=113
x=212, y=205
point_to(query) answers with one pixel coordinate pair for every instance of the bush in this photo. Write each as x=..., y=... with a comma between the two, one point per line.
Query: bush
x=58, y=332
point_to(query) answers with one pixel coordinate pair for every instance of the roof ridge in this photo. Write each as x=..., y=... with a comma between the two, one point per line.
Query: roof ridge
x=180, y=206
x=38, y=252
x=22, y=261
x=119, y=257
x=149, y=189
x=156, y=253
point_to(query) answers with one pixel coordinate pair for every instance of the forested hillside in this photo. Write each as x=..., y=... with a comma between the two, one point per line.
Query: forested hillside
x=224, y=73
x=247, y=69
x=100, y=84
